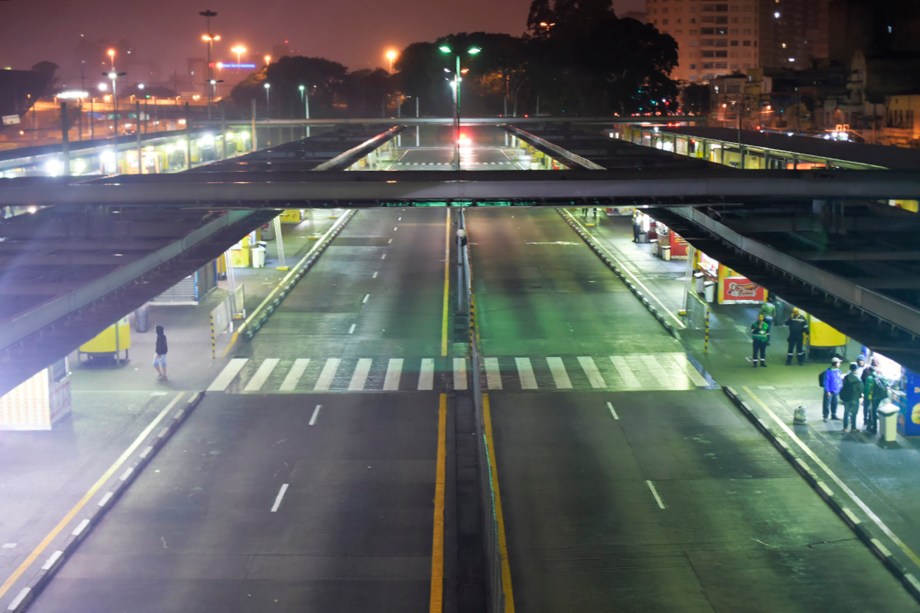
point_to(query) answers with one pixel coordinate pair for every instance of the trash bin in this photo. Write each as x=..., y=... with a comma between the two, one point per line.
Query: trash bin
x=709, y=291
x=142, y=318
x=698, y=280
x=666, y=253
x=888, y=428
x=258, y=256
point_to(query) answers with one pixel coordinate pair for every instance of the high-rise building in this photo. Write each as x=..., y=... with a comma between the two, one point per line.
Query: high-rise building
x=717, y=37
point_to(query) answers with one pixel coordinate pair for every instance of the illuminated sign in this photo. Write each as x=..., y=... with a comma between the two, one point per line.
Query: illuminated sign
x=236, y=66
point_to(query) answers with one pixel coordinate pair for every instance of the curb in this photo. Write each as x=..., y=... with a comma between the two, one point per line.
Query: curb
x=860, y=528
x=611, y=263
x=95, y=513
x=264, y=311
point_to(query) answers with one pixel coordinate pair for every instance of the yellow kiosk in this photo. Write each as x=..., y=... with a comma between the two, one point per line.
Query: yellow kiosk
x=109, y=343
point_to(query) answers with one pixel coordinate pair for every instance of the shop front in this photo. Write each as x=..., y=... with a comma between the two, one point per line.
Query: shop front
x=719, y=283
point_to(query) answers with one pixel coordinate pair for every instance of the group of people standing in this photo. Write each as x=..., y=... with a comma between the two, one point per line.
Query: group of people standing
x=760, y=335
x=862, y=382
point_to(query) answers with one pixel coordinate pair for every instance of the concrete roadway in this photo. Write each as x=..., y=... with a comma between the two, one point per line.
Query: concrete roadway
x=635, y=496
x=291, y=499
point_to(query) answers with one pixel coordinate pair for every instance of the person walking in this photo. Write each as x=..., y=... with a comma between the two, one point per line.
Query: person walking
x=159, y=357
x=832, y=382
x=798, y=328
x=850, y=393
x=876, y=391
x=760, y=336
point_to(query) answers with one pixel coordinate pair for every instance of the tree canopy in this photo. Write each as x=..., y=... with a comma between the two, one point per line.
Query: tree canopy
x=577, y=58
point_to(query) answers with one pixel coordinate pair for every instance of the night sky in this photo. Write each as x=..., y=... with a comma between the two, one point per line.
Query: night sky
x=352, y=32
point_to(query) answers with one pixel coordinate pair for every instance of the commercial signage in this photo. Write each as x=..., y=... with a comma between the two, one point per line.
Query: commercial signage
x=741, y=289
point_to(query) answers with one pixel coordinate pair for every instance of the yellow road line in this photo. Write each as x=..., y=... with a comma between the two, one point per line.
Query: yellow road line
x=436, y=599
x=499, y=514
x=444, y=308
x=856, y=499
x=86, y=498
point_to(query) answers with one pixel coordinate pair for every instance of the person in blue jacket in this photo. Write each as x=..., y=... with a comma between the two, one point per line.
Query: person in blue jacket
x=832, y=382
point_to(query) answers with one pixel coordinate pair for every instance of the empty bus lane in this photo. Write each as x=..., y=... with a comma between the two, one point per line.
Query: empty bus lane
x=627, y=480
x=315, y=474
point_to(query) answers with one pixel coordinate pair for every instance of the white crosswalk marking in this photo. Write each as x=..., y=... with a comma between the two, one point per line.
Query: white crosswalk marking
x=560, y=376
x=262, y=375
x=685, y=366
x=622, y=368
x=359, y=378
x=294, y=375
x=493, y=374
x=525, y=373
x=426, y=375
x=460, y=374
x=394, y=372
x=227, y=375
x=632, y=371
x=594, y=374
x=327, y=375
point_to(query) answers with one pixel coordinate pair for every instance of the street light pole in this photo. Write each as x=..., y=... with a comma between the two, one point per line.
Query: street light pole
x=305, y=98
x=209, y=38
x=471, y=51
x=268, y=110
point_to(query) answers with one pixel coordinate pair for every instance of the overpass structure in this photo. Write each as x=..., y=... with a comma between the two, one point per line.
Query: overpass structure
x=98, y=248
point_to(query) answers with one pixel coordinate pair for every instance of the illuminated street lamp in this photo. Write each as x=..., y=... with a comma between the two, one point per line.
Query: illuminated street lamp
x=268, y=106
x=113, y=75
x=239, y=50
x=268, y=59
x=305, y=98
x=471, y=51
x=391, y=55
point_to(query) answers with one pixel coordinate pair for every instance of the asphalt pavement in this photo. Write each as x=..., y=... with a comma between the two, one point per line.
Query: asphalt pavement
x=54, y=481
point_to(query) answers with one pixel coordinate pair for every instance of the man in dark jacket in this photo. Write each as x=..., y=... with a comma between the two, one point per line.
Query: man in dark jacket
x=850, y=394
x=159, y=357
x=798, y=328
x=876, y=390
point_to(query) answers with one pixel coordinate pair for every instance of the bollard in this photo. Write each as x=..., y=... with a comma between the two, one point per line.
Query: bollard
x=799, y=418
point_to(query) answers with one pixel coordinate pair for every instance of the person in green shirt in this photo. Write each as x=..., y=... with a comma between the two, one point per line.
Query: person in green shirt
x=760, y=335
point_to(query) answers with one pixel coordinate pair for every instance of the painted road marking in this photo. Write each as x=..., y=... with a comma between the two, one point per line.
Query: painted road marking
x=227, y=375
x=560, y=376
x=499, y=509
x=262, y=375
x=394, y=373
x=684, y=364
x=294, y=375
x=460, y=373
x=622, y=368
x=426, y=375
x=493, y=374
x=279, y=498
x=315, y=414
x=327, y=375
x=594, y=374
x=651, y=486
x=436, y=596
x=366, y=297
x=351, y=330
x=359, y=378
x=613, y=411
x=525, y=373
